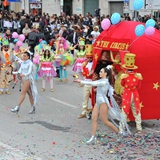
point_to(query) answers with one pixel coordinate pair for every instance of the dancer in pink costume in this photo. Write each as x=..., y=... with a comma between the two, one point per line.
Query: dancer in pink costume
x=80, y=55
x=47, y=71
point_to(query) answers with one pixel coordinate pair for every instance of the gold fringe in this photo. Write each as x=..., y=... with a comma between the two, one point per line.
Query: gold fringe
x=124, y=75
x=139, y=76
x=118, y=88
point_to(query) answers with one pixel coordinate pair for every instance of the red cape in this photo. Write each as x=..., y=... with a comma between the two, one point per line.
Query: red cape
x=147, y=50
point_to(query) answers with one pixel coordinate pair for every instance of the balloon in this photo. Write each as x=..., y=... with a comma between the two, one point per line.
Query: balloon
x=115, y=18
x=105, y=24
x=149, y=31
x=15, y=40
x=21, y=37
x=151, y=23
x=19, y=43
x=15, y=35
x=138, y=4
x=139, y=30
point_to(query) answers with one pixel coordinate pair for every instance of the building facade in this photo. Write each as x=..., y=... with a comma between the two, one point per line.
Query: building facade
x=70, y=7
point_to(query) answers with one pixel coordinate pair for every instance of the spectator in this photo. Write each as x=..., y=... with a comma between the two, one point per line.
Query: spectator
x=8, y=35
x=15, y=25
x=95, y=33
x=89, y=39
x=22, y=23
x=26, y=30
x=41, y=24
x=32, y=40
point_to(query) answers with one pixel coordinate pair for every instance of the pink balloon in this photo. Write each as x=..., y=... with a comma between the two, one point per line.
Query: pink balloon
x=19, y=43
x=149, y=31
x=15, y=35
x=105, y=24
x=21, y=37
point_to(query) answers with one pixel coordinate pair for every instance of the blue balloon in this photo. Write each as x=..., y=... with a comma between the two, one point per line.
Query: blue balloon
x=115, y=18
x=139, y=30
x=138, y=4
x=151, y=23
x=15, y=40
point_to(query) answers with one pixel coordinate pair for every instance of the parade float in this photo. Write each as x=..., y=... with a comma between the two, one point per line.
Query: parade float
x=144, y=41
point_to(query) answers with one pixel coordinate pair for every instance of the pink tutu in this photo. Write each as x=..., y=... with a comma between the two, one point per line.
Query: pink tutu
x=77, y=67
x=47, y=69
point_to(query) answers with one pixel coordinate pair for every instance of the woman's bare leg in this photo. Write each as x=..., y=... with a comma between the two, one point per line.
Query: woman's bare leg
x=29, y=92
x=95, y=113
x=104, y=117
x=25, y=88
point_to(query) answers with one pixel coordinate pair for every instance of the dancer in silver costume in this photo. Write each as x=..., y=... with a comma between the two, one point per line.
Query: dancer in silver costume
x=103, y=106
x=26, y=74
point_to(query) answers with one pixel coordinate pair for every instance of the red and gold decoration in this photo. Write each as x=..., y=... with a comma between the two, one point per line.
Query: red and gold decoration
x=147, y=50
x=96, y=56
x=89, y=50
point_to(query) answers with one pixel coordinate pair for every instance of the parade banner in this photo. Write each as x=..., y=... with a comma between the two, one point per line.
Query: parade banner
x=112, y=44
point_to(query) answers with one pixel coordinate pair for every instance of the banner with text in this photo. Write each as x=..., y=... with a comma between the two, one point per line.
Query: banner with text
x=112, y=44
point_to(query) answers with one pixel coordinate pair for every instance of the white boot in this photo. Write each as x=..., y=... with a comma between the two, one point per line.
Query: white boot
x=33, y=109
x=15, y=109
x=93, y=140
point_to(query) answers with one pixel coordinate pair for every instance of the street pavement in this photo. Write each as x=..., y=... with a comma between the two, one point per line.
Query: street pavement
x=55, y=133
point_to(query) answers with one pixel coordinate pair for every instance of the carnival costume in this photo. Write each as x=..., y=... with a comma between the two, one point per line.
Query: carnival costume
x=27, y=69
x=87, y=74
x=63, y=58
x=47, y=70
x=131, y=82
x=36, y=62
x=38, y=51
x=114, y=113
x=80, y=55
x=103, y=62
x=6, y=60
x=17, y=50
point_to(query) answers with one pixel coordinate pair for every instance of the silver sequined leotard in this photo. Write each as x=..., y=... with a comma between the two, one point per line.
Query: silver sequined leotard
x=102, y=89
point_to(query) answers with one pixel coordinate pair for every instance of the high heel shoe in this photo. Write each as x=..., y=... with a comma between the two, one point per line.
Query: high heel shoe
x=119, y=136
x=33, y=110
x=15, y=109
x=93, y=140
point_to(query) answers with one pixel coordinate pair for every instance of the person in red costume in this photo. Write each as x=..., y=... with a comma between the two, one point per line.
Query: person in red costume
x=87, y=74
x=131, y=81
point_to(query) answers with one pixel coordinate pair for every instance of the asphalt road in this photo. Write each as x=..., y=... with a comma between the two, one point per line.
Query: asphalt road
x=55, y=133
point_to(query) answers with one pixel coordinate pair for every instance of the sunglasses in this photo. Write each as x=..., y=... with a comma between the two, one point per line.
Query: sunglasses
x=6, y=46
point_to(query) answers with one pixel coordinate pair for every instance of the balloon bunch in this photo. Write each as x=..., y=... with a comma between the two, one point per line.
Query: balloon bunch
x=148, y=29
x=106, y=23
x=18, y=39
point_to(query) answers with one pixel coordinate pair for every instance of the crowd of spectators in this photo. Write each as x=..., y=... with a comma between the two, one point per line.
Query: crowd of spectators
x=49, y=27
